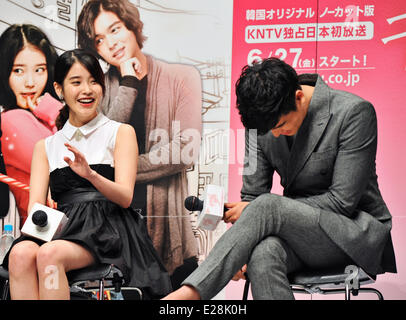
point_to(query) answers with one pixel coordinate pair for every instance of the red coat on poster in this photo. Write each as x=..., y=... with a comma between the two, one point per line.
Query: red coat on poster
x=22, y=129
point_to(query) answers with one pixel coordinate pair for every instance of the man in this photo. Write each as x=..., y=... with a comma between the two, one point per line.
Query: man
x=162, y=102
x=322, y=142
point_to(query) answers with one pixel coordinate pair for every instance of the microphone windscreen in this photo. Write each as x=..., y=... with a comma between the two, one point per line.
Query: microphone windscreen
x=40, y=218
x=193, y=203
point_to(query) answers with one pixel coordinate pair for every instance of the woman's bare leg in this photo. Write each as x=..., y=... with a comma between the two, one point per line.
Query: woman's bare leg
x=184, y=293
x=54, y=259
x=23, y=271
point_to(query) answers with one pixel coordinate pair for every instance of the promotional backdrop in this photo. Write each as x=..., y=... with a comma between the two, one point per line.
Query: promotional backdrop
x=355, y=45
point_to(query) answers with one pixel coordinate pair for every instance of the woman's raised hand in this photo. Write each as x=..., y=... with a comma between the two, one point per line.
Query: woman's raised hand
x=30, y=104
x=79, y=165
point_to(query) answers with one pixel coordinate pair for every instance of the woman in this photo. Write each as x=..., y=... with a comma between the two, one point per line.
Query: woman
x=27, y=61
x=93, y=197
x=162, y=102
x=4, y=190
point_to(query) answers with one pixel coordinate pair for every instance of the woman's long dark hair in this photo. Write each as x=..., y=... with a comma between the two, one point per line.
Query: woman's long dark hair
x=14, y=39
x=64, y=63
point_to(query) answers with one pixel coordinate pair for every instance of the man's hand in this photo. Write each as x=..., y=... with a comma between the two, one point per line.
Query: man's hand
x=240, y=274
x=234, y=211
x=131, y=67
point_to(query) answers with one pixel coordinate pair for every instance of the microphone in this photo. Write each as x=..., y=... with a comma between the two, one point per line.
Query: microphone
x=211, y=208
x=193, y=203
x=44, y=223
x=40, y=218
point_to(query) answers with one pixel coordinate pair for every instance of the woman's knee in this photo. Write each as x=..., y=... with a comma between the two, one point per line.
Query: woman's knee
x=23, y=257
x=62, y=254
x=48, y=254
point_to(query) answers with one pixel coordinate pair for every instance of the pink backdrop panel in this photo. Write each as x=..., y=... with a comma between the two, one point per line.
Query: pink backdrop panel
x=356, y=45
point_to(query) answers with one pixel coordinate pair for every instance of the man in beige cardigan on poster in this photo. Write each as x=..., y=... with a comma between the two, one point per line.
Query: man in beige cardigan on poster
x=163, y=103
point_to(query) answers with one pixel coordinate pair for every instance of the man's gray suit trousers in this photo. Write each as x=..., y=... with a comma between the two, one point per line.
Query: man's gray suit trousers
x=274, y=236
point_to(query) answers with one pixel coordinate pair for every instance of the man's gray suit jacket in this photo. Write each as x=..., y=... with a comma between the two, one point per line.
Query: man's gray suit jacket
x=331, y=167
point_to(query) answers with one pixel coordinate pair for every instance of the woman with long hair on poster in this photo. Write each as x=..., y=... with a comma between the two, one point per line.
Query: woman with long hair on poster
x=27, y=60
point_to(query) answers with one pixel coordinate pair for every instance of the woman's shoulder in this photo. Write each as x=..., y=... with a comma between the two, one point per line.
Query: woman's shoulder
x=125, y=130
x=110, y=123
x=112, y=128
x=52, y=138
x=40, y=146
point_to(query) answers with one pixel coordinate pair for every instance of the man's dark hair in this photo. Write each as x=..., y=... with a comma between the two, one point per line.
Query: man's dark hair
x=126, y=11
x=266, y=91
